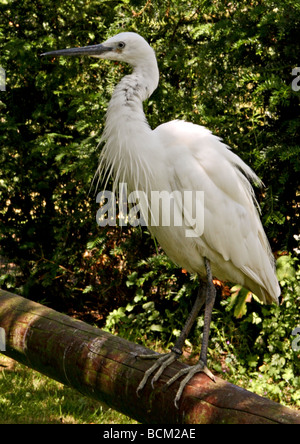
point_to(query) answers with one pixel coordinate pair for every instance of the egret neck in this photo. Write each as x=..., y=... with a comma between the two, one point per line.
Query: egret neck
x=127, y=133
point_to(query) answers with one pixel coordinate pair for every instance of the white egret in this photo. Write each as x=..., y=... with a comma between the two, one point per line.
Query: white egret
x=181, y=156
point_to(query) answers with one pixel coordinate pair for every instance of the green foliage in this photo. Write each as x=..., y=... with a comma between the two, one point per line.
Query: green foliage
x=227, y=65
x=239, y=300
x=224, y=65
x=159, y=304
x=260, y=344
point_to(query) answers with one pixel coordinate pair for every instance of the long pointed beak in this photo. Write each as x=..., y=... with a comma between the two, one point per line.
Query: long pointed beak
x=93, y=50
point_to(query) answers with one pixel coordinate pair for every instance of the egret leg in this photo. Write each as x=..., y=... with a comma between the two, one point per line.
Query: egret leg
x=164, y=360
x=207, y=294
x=201, y=366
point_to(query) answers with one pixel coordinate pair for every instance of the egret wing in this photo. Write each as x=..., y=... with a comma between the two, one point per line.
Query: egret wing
x=233, y=238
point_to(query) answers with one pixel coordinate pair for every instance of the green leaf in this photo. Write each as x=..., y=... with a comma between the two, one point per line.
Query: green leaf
x=285, y=268
x=238, y=301
x=156, y=327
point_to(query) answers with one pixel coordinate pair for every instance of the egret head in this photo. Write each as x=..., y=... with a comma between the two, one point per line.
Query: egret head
x=126, y=47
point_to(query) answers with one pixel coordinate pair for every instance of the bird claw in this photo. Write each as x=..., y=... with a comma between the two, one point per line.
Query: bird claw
x=162, y=362
x=189, y=372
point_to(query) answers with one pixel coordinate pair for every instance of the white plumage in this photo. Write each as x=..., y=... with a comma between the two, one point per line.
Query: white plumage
x=181, y=156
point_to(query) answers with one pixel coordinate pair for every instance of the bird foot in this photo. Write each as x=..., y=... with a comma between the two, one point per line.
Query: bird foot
x=162, y=362
x=189, y=372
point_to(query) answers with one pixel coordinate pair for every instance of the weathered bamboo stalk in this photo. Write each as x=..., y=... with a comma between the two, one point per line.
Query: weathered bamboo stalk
x=105, y=367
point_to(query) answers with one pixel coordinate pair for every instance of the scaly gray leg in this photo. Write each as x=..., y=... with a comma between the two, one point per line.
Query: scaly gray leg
x=207, y=294
x=201, y=365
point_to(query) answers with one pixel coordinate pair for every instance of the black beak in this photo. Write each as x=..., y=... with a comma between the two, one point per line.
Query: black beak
x=93, y=50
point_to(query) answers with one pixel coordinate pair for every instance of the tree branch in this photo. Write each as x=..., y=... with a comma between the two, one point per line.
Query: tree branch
x=105, y=367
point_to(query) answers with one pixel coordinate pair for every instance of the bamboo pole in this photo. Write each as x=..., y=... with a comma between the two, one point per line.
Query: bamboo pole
x=105, y=367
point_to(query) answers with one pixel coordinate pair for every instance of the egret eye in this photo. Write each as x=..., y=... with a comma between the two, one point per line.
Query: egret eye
x=121, y=45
